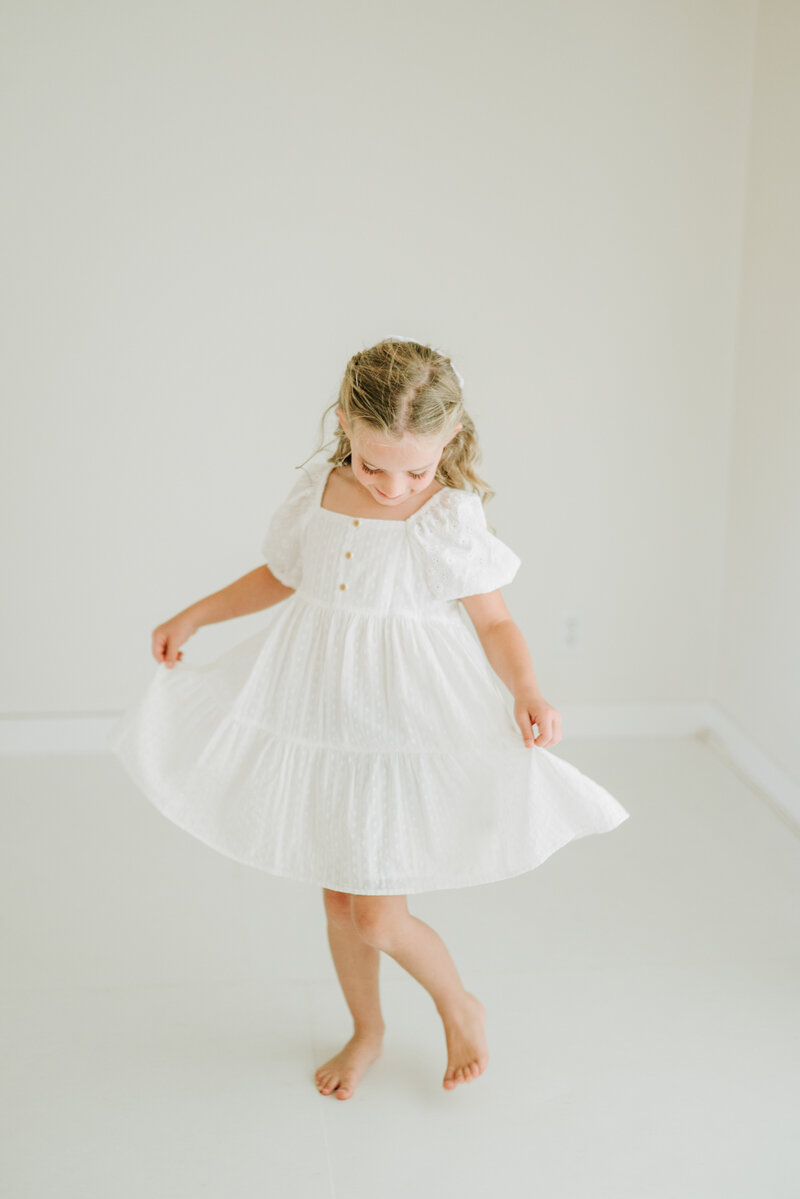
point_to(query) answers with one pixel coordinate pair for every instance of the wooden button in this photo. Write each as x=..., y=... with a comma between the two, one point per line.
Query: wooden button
x=347, y=555
x=355, y=522
x=342, y=586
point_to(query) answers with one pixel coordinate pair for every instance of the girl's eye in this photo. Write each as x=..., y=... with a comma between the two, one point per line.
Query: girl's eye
x=368, y=471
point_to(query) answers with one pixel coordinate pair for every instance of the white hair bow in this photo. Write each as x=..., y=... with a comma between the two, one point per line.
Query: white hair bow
x=416, y=339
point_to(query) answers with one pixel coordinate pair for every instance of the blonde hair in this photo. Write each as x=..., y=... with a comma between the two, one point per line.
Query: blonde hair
x=397, y=387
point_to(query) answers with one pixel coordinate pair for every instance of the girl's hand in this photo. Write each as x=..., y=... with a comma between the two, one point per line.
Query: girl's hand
x=532, y=708
x=169, y=636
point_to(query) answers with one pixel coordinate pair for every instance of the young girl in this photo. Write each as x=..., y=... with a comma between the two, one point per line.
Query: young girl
x=361, y=740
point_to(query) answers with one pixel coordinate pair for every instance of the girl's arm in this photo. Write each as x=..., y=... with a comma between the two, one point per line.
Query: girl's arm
x=502, y=641
x=510, y=658
x=254, y=591
x=251, y=593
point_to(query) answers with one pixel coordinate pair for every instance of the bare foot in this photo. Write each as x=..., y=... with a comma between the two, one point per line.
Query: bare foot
x=342, y=1073
x=467, y=1051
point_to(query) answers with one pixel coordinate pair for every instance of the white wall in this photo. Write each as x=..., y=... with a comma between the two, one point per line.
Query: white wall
x=758, y=680
x=207, y=208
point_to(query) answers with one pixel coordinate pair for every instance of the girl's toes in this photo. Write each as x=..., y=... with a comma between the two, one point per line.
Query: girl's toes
x=344, y=1090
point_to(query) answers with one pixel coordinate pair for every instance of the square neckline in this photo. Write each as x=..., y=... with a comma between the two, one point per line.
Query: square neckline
x=377, y=520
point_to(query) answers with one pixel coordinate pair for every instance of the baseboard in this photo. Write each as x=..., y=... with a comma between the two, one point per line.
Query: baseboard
x=754, y=767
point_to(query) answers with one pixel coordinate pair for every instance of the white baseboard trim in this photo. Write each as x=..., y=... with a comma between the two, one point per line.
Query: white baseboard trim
x=753, y=766
x=89, y=734
x=65, y=734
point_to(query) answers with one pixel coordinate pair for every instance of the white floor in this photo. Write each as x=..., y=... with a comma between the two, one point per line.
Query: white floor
x=164, y=1008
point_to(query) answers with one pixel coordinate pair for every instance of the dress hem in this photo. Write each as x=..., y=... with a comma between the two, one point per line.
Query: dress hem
x=417, y=888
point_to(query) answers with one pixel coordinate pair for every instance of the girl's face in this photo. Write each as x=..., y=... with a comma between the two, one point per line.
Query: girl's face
x=393, y=471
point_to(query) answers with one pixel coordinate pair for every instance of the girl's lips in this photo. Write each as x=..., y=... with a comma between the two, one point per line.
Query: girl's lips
x=386, y=497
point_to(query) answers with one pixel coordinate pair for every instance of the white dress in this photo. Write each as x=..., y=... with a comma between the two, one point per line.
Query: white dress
x=360, y=740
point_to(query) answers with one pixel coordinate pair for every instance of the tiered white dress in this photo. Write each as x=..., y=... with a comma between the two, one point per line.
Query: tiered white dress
x=360, y=740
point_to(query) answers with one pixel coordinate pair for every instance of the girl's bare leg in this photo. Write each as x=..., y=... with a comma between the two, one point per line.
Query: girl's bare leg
x=357, y=965
x=385, y=923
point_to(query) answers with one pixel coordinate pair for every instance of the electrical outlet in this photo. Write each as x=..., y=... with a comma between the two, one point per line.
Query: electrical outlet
x=570, y=628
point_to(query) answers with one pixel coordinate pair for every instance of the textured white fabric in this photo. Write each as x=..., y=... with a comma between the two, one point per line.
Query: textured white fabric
x=361, y=740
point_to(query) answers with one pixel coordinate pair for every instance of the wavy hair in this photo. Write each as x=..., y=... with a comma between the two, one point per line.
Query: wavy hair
x=398, y=387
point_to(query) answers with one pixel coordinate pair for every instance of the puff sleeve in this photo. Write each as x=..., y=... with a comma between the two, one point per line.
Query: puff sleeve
x=283, y=542
x=457, y=553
